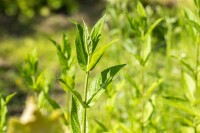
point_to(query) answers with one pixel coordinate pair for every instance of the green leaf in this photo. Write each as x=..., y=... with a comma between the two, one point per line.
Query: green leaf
x=100, y=82
x=96, y=33
x=4, y=110
x=63, y=52
x=55, y=106
x=152, y=88
x=148, y=110
x=76, y=94
x=133, y=84
x=182, y=105
x=189, y=87
x=87, y=39
x=184, y=120
x=194, y=24
x=146, y=49
x=188, y=66
x=152, y=27
x=139, y=59
x=103, y=127
x=82, y=56
x=9, y=97
x=97, y=56
x=141, y=10
x=66, y=47
x=75, y=116
x=55, y=44
x=3, y=113
x=197, y=3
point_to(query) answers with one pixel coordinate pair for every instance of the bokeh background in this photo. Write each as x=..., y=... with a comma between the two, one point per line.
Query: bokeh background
x=28, y=24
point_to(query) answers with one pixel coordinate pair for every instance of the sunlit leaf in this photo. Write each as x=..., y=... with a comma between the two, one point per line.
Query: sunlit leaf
x=148, y=109
x=141, y=10
x=189, y=87
x=146, y=49
x=100, y=82
x=75, y=116
x=182, y=105
x=96, y=33
x=152, y=88
x=76, y=94
x=9, y=97
x=82, y=56
x=152, y=27
x=97, y=56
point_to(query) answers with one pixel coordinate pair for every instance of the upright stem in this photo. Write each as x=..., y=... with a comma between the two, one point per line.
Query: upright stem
x=142, y=91
x=169, y=44
x=197, y=64
x=85, y=98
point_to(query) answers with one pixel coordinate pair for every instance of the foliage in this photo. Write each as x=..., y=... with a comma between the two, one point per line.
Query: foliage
x=158, y=90
x=4, y=111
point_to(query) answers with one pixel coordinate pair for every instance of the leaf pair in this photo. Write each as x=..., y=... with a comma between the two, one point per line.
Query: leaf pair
x=97, y=87
x=100, y=82
x=64, y=53
x=29, y=68
x=86, y=44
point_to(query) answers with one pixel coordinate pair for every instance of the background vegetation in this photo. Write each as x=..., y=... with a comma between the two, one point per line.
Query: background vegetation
x=158, y=89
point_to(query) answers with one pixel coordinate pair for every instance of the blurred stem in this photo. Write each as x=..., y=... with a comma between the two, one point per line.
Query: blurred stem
x=142, y=94
x=197, y=64
x=169, y=43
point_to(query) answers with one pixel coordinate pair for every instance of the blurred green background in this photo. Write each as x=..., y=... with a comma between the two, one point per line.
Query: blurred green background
x=27, y=24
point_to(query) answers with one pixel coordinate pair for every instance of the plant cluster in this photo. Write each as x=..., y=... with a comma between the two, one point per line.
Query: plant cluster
x=158, y=90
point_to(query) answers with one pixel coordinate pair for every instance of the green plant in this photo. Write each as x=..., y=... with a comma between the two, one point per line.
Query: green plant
x=142, y=29
x=4, y=111
x=87, y=58
x=39, y=84
x=190, y=77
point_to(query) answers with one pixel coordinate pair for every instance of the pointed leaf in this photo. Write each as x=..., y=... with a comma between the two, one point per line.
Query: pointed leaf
x=97, y=56
x=152, y=27
x=75, y=117
x=100, y=82
x=197, y=3
x=141, y=10
x=182, y=105
x=146, y=49
x=148, y=109
x=87, y=39
x=152, y=88
x=82, y=56
x=139, y=59
x=96, y=33
x=55, y=106
x=195, y=25
x=9, y=97
x=189, y=87
x=188, y=66
x=76, y=94
x=66, y=47
x=102, y=125
x=55, y=44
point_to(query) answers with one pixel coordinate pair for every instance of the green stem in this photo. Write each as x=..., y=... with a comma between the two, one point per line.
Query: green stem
x=85, y=98
x=197, y=64
x=142, y=91
x=169, y=43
